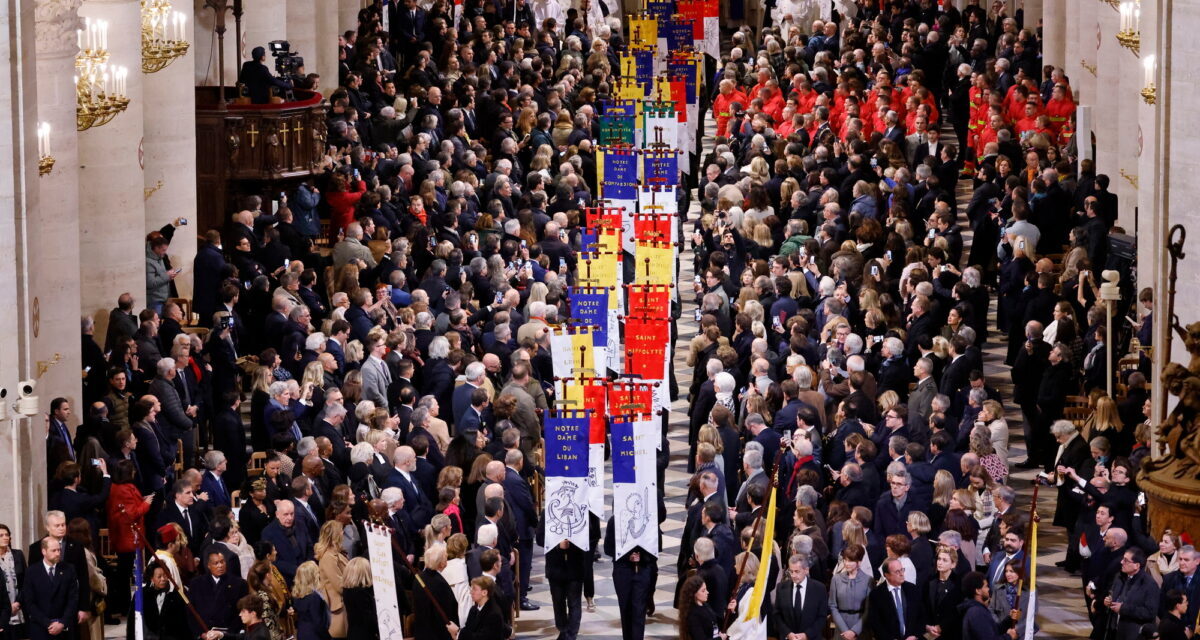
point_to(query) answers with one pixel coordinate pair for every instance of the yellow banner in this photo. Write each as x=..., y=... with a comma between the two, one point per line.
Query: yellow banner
x=643, y=32
x=764, y=561
x=661, y=269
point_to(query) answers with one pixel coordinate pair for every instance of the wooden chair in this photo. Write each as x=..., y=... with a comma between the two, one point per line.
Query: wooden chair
x=178, y=458
x=105, y=546
x=185, y=305
x=1077, y=415
x=235, y=498
x=1077, y=401
x=258, y=461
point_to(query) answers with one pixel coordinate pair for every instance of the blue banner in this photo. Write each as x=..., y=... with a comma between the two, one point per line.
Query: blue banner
x=663, y=10
x=686, y=70
x=619, y=108
x=588, y=239
x=620, y=175
x=567, y=444
x=624, y=454
x=591, y=309
x=644, y=59
x=679, y=33
x=661, y=169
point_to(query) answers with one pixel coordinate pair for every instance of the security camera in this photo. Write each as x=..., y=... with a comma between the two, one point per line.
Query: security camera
x=27, y=402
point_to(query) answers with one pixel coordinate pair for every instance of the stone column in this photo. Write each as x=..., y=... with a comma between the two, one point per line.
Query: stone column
x=262, y=22
x=348, y=14
x=1150, y=224
x=1032, y=14
x=325, y=51
x=204, y=43
x=54, y=236
x=1087, y=25
x=302, y=31
x=112, y=248
x=1054, y=33
x=1071, y=15
x=1107, y=58
x=169, y=123
x=22, y=443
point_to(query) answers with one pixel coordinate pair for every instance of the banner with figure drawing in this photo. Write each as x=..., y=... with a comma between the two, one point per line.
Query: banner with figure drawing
x=383, y=577
x=566, y=503
x=635, y=481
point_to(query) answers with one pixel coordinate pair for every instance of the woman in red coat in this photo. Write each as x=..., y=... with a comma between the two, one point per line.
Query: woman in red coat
x=126, y=510
x=342, y=201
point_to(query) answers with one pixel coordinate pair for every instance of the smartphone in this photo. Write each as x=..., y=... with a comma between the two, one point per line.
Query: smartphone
x=183, y=222
x=562, y=235
x=698, y=279
x=698, y=315
x=432, y=242
x=286, y=262
x=932, y=232
x=1021, y=245
x=777, y=323
x=888, y=254
x=562, y=264
x=877, y=339
x=874, y=163
x=524, y=244
x=357, y=175
x=499, y=297
x=945, y=268
x=87, y=369
x=875, y=271
x=95, y=462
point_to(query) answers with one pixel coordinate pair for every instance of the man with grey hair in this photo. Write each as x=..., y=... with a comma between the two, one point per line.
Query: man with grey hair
x=891, y=512
x=920, y=402
x=769, y=438
x=351, y=249
x=752, y=467
x=212, y=483
x=177, y=418
x=473, y=376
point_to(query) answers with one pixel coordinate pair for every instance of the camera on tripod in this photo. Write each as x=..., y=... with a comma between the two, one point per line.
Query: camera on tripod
x=287, y=63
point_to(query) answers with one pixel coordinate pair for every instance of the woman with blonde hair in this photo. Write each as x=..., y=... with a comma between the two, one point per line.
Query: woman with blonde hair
x=740, y=628
x=359, y=596
x=1106, y=421
x=887, y=400
x=1166, y=559
x=312, y=613
x=331, y=560
x=991, y=418
x=455, y=573
x=436, y=532
x=709, y=435
x=854, y=536
x=943, y=490
x=314, y=374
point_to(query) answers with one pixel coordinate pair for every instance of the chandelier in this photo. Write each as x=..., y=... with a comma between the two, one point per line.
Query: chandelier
x=45, y=160
x=163, y=35
x=99, y=87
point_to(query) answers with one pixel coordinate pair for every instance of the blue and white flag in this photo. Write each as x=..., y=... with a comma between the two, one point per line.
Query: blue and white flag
x=566, y=501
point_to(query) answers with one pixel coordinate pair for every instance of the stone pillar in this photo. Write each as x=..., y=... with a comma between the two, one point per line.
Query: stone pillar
x=348, y=14
x=1087, y=27
x=22, y=440
x=1127, y=98
x=302, y=32
x=1032, y=14
x=1150, y=222
x=325, y=51
x=1054, y=33
x=262, y=22
x=112, y=248
x=204, y=43
x=1107, y=58
x=54, y=236
x=169, y=124
x=1072, y=47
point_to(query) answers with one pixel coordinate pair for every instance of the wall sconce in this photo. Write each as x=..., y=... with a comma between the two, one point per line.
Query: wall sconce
x=1149, y=93
x=45, y=160
x=1130, y=35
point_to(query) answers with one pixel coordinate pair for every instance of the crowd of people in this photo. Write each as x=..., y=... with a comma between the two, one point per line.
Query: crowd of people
x=374, y=348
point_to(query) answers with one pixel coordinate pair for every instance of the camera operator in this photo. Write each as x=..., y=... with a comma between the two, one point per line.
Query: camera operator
x=258, y=79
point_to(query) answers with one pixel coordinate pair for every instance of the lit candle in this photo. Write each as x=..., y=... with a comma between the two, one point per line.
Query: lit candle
x=79, y=38
x=1136, y=23
x=47, y=126
x=1149, y=64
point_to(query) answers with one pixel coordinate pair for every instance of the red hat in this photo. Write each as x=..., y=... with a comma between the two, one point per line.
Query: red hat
x=168, y=533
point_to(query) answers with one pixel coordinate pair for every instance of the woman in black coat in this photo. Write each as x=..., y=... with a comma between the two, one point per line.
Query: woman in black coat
x=359, y=599
x=485, y=621
x=697, y=621
x=428, y=624
x=943, y=595
x=312, y=617
x=165, y=621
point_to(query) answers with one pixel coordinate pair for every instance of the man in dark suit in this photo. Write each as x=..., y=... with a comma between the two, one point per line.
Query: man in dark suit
x=50, y=597
x=76, y=503
x=519, y=499
x=416, y=503
x=942, y=456
x=408, y=30
x=59, y=447
x=473, y=418
x=801, y=605
x=1186, y=581
x=258, y=79
x=182, y=511
x=894, y=607
x=292, y=544
x=215, y=595
x=475, y=374
x=715, y=577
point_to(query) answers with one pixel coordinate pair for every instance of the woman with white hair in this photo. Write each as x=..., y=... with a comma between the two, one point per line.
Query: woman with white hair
x=724, y=384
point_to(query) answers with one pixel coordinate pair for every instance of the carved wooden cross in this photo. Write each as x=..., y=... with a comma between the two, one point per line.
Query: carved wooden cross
x=298, y=130
x=252, y=131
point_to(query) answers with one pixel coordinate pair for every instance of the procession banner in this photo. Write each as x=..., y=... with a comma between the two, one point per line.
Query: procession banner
x=588, y=308
x=679, y=32
x=660, y=167
x=590, y=394
x=617, y=173
x=660, y=199
x=655, y=264
x=655, y=226
x=648, y=300
x=712, y=28
x=630, y=397
x=643, y=30
x=635, y=482
x=617, y=129
x=693, y=10
x=566, y=512
x=383, y=580
x=646, y=347
x=561, y=356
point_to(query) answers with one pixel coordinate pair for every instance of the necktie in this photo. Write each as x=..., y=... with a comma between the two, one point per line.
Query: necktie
x=387, y=375
x=899, y=608
x=187, y=521
x=53, y=574
x=798, y=598
x=66, y=436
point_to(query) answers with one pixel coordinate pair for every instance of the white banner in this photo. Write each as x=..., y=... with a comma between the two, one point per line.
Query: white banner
x=635, y=484
x=595, y=481
x=712, y=41
x=561, y=347
x=565, y=518
x=628, y=242
x=383, y=577
x=613, y=334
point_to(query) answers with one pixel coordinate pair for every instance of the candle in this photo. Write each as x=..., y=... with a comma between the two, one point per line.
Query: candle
x=1149, y=64
x=79, y=38
x=1136, y=23
x=47, y=126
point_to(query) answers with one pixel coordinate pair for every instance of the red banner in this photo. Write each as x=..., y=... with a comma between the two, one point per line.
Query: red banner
x=630, y=398
x=649, y=300
x=595, y=396
x=646, y=344
x=654, y=227
x=609, y=217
